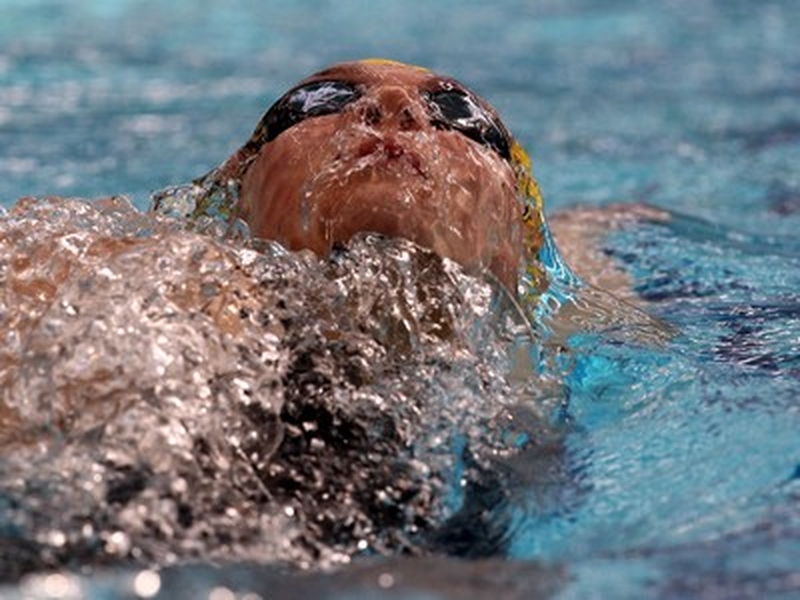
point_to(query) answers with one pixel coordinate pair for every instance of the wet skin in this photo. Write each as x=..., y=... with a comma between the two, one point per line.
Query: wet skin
x=388, y=148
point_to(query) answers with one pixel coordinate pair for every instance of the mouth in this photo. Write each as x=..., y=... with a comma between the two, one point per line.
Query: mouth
x=387, y=152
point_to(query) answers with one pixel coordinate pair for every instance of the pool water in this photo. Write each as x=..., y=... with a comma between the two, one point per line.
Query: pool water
x=681, y=475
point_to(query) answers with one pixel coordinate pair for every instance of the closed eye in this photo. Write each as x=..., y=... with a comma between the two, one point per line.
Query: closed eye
x=310, y=100
x=457, y=109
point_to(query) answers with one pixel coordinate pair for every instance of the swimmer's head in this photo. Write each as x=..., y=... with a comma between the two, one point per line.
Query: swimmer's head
x=389, y=148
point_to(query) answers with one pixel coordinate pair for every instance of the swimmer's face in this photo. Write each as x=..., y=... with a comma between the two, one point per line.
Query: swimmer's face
x=387, y=148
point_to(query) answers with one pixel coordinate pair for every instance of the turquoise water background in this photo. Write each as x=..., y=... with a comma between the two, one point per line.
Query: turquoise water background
x=687, y=457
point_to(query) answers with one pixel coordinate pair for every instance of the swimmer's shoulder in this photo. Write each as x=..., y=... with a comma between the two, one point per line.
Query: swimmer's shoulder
x=580, y=233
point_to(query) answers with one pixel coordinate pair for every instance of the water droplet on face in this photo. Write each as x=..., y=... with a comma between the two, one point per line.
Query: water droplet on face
x=306, y=211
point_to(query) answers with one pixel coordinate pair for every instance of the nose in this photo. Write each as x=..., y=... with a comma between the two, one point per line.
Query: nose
x=395, y=106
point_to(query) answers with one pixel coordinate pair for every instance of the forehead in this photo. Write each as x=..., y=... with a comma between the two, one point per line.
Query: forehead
x=375, y=73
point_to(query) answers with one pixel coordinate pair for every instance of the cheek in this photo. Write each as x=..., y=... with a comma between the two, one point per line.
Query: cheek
x=272, y=188
x=478, y=207
x=484, y=182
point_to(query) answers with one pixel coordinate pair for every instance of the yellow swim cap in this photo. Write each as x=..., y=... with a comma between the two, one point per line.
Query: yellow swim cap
x=533, y=223
x=389, y=61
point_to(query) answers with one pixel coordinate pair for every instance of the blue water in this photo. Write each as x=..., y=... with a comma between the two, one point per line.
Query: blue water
x=686, y=458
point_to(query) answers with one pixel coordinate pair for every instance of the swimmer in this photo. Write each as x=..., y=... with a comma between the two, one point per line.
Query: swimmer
x=380, y=146
x=384, y=147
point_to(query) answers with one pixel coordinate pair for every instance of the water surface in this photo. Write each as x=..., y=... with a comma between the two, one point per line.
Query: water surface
x=664, y=471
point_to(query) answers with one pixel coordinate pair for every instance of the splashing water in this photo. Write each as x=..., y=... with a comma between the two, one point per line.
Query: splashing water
x=175, y=391
x=170, y=395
